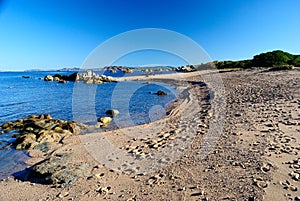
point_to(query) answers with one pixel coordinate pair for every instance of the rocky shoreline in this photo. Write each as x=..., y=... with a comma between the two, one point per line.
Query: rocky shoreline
x=254, y=158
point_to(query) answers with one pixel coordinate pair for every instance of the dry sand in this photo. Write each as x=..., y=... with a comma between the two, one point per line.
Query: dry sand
x=183, y=157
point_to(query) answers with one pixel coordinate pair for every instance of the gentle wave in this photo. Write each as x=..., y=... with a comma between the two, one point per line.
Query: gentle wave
x=13, y=104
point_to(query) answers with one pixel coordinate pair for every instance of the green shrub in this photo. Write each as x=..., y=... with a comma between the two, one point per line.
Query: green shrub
x=282, y=67
x=274, y=58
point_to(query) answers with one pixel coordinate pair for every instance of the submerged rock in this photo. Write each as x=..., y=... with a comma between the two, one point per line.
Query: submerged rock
x=62, y=81
x=48, y=78
x=98, y=82
x=89, y=81
x=56, y=78
x=104, y=121
x=112, y=112
x=43, y=116
x=73, y=77
x=7, y=125
x=161, y=93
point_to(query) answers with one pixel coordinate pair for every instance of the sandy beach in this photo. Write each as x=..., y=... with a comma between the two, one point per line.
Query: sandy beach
x=229, y=136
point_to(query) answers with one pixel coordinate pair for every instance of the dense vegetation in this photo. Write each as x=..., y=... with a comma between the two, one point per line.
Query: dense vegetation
x=269, y=59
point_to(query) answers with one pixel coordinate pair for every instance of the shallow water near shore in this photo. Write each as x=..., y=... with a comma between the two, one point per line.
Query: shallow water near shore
x=21, y=97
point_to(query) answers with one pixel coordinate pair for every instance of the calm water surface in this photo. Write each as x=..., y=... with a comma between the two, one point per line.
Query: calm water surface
x=22, y=97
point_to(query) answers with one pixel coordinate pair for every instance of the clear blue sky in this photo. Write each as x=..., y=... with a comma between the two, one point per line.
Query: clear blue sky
x=51, y=34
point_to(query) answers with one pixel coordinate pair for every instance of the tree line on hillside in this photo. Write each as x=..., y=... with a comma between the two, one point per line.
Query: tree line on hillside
x=277, y=60
x=268, y=59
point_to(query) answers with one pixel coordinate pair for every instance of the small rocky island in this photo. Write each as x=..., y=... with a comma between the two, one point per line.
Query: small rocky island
x=89, y=77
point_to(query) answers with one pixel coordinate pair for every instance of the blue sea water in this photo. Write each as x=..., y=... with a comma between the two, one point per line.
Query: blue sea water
x=21, y=97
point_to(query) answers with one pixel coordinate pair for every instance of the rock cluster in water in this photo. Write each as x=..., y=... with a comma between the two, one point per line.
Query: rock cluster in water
x=112, y=112
x=161, y=93
x=89, y=77
x=37, y=130
x=104, y=121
